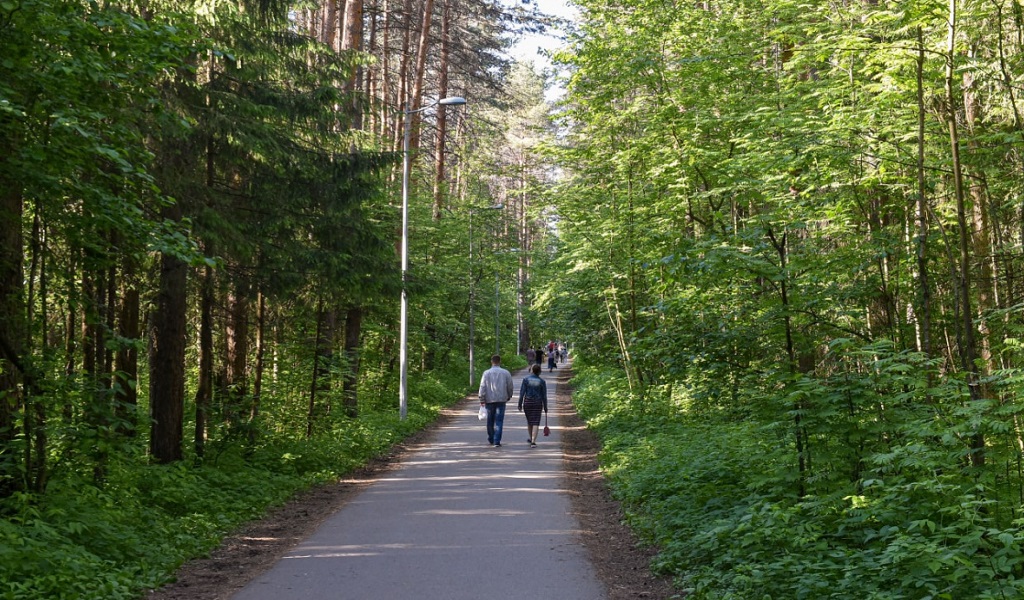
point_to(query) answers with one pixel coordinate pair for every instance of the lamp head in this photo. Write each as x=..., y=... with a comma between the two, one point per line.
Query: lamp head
x=452, y=101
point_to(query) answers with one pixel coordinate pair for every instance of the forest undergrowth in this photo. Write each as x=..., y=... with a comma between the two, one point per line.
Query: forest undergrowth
x=116, y=539
x=888, y=514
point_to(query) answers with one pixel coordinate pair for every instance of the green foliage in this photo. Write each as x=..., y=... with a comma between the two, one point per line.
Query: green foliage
x=767, y=263
x=905, y=517
x=80, y=541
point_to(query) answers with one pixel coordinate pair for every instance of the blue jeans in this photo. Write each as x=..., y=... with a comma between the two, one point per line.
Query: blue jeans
x=495, y=421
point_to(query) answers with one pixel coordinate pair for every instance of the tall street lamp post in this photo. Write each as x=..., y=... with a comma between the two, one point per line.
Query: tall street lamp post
x=472, y=333
x=403, y=357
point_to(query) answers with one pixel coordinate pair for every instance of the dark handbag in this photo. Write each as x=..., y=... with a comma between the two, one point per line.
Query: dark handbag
x=547, y=430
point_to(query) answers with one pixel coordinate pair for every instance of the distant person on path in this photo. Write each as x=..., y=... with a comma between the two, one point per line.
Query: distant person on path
x=551, y=361
x=539, y=356
x=496, y=390
x=533, y=397
x=531, y=356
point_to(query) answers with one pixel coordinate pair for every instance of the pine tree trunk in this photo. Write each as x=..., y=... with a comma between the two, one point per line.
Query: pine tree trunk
x=12, y=330
x=403, y=75
x=924, y=308
x=204, y=389
x=126, y=362
x=167, y=356
x=238, y=352
x=416, y=100
x=257, y=385
x=351, y=41
x=323, y=354
x=442, y=115
x=353, y=329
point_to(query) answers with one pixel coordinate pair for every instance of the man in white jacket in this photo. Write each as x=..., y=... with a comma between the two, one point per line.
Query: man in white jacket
x=495, y=391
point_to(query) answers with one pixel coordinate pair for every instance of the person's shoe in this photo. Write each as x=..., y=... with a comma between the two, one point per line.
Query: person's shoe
x=533, y=444
x=497, y=445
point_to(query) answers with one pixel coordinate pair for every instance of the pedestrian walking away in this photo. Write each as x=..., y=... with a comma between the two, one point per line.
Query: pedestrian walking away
x=496, y=390
x=539, y=356
x=531, y=356
x=551, y=361
x=533, y=398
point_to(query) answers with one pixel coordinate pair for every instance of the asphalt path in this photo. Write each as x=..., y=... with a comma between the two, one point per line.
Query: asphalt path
x=457, y=520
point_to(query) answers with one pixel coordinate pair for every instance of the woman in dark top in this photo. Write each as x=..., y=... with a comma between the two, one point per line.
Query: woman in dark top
x=533, y=398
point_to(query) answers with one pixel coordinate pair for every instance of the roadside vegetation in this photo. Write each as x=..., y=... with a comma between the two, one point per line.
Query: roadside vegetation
x=199, y=267
x=798, y=227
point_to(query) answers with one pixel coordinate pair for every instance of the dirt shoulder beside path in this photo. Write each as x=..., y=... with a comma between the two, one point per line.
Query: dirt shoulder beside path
x=620, y=562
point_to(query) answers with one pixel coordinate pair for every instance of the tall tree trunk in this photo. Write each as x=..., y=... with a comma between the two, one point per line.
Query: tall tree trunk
x=373, y=81
x=37, y=411
x=167, y=356
x=442, y=114
x=416, y=101
x=126, y=362
x=981, y=239
x=403, y=74
x=204, y=389
x=968, y=349
x=110, y=316
x=526, y=244
x=795, y=362
x=238, y=352
x=261, y=347
x=386, y=106
x=353, y=329
x=352, y=41
x=330, y=28
x=88, y=329
x=323, y=358
x=924, y=308
x=12, y=327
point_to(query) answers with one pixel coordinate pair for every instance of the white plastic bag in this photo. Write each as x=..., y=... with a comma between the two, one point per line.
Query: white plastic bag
x=483, y=413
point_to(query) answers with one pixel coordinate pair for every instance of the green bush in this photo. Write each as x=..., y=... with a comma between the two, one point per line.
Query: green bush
x=81, y=540
x=889, y=509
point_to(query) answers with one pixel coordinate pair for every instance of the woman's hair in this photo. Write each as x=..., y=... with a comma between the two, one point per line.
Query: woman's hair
x=535, y=369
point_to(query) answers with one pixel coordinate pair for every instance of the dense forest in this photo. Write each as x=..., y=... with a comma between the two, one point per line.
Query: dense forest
x=799, y=226
x=782, y=239
x=199, y=275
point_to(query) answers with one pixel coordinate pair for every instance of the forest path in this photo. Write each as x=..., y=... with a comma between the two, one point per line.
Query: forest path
x=457, y=519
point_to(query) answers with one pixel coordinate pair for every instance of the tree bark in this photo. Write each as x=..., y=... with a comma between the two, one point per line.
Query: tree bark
x=167, y=357
x=442, y=114
x=126, y=362
x=352, y=41
x=968, y=349
x=323, y=356
x=257, y=385
x=204, y=389
x=12, y=327
x=403, y=74
x=416, y=101
x=238, y=352
x=924, y=308
x=353, y=329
